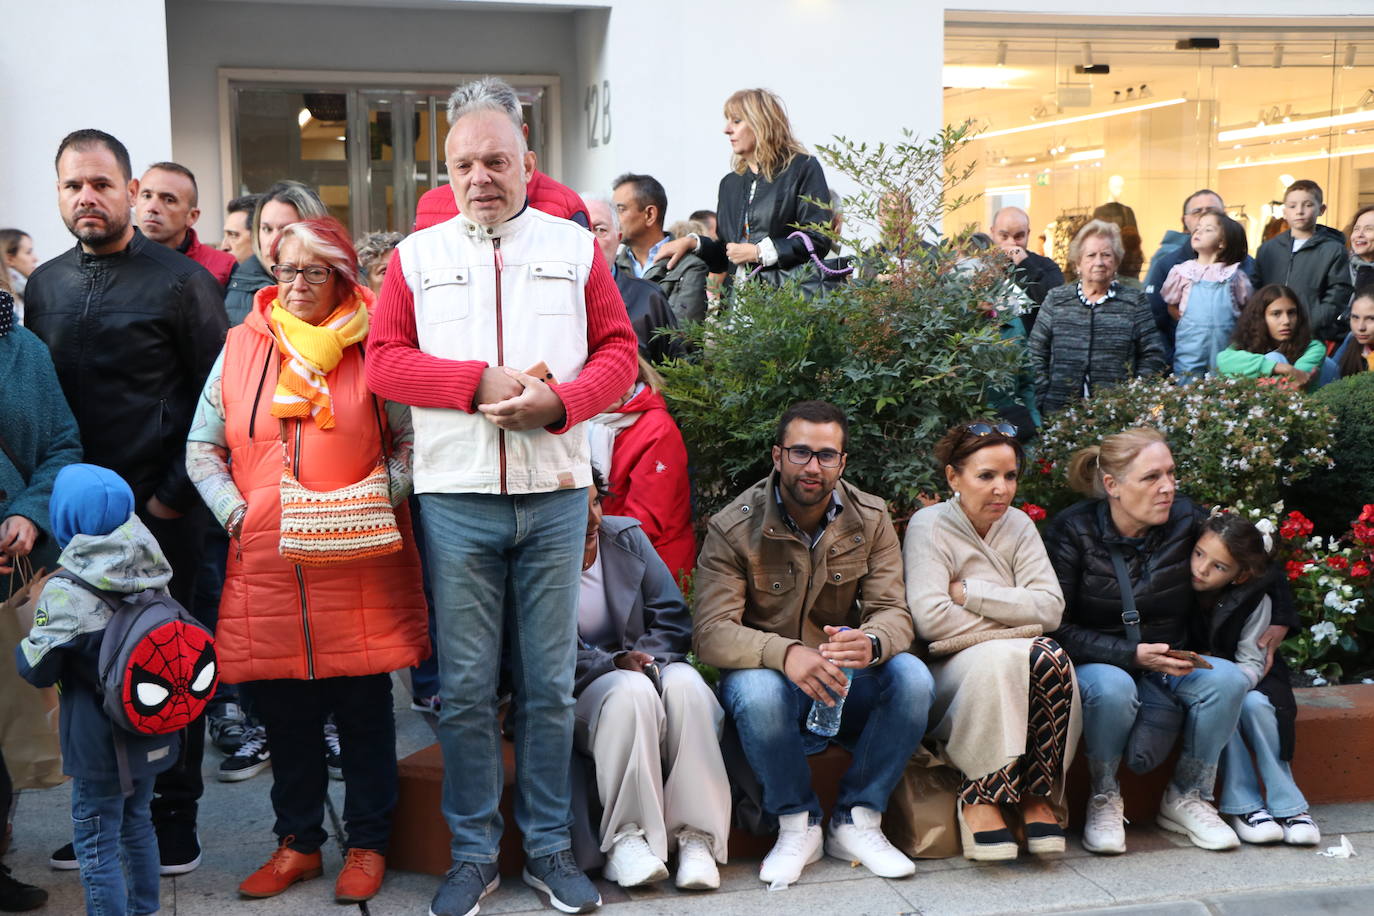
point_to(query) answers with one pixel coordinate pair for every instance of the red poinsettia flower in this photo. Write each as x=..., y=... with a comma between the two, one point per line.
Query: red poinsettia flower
x=1036, y=513
x=1337, y=562
x=1359, y=571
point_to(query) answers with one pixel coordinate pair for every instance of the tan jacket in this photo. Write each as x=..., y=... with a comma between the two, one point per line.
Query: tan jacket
x=761, y=589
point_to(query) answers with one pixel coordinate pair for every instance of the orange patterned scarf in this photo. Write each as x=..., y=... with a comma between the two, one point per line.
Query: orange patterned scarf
x=309, y=353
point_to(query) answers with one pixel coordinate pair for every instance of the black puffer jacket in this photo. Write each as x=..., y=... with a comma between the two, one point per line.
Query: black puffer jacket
x=774, y=211
x=132, y=336
x=1092, y=631
x=1159, y=566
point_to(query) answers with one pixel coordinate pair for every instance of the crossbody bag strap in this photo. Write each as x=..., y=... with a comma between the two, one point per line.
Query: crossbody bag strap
x=1130, y=617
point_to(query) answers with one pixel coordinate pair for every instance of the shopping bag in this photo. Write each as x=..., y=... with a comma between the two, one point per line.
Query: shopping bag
x=28, y=715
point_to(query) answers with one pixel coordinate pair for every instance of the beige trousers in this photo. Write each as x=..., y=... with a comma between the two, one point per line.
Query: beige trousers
x=635, y=736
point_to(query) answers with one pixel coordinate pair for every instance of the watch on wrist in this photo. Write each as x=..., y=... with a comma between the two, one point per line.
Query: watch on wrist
x=877, y=649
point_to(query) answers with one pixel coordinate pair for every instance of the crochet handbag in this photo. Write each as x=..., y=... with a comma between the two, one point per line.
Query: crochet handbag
x=332, y=527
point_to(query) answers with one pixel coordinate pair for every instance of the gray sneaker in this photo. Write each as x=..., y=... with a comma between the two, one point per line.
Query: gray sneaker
x=558, y=876
x=463, y=889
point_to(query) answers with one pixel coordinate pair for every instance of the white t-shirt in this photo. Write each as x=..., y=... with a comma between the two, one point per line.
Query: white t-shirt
x=594, y=625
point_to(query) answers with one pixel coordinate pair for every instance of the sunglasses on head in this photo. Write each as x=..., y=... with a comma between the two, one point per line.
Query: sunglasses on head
x=987, y=429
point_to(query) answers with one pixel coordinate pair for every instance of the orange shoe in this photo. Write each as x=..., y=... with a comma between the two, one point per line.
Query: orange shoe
x=283, y=869
x=361, y=877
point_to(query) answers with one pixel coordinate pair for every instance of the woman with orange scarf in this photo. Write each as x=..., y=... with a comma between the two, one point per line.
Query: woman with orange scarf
x=312, y=620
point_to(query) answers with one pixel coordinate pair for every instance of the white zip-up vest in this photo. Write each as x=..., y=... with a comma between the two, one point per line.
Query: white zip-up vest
x=509, y=295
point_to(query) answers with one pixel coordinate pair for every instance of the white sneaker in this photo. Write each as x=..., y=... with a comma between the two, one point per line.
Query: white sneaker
x=1190, y=814
x=1257, y=827
x=696, y=864
x=631, y=862
x=1301, y=830
x=864, y=842
x=798, y=845
x=1104, y=830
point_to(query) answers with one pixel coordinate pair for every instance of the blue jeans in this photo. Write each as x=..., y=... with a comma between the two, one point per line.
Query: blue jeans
x=1211, y=698
x=506, y=566
x=116, y=847
x=1240, y=784
x=882, y=723
x=424, y=677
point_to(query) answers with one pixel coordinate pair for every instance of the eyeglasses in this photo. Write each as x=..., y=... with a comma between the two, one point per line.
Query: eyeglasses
x=800, y=454
x=987, y=429
x=314, y=275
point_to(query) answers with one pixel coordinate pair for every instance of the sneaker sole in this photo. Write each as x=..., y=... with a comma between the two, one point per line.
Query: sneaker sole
x=64, y=865
x=1046, y=845
x=655, y=874
x=836, y=850
x=495, y=883
x=417, y=707
x=303, y=876
x=702, y=885
x=245, y=773
x=557, y=904
x=182, y=868
x=1174, y=826
x=810, y=860
x=1104, y=850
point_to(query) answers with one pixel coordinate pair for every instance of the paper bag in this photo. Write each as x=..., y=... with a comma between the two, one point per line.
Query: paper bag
x=28, y=715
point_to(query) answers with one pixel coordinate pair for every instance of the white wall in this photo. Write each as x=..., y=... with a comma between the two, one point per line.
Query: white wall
x=203, y=37
x=71, y=65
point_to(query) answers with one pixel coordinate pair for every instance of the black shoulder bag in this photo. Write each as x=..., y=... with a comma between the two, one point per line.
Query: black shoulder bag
x=1160, y=717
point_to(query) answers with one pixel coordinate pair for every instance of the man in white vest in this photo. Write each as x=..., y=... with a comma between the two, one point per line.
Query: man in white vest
x=503, y=329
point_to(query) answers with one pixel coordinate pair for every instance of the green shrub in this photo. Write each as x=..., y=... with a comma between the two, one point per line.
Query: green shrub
x=1234, y=440
x=1333, y=498
x=907, y=351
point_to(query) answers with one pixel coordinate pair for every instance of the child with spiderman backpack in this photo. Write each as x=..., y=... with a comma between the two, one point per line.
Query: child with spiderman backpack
x=155, y=675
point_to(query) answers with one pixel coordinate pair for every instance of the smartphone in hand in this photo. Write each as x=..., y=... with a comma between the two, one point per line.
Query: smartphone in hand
x=1189, y=656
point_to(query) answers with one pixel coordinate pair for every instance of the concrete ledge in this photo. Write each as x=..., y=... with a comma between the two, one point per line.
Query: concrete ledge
x=1335, y=755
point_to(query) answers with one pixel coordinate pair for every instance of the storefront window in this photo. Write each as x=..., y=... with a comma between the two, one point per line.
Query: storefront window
x=1126, y=122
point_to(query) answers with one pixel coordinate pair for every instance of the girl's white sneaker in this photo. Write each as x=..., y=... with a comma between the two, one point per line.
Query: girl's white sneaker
x=1258, y=827
x=1301, y=830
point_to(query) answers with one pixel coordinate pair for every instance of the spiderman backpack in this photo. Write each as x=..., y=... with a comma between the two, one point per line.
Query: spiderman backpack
x=157, y=663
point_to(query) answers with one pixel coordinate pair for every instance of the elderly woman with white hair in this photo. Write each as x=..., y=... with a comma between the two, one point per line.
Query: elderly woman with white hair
x=1095, y=332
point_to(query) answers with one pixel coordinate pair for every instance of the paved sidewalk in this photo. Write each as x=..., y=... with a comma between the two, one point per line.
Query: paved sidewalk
x=1162, y=875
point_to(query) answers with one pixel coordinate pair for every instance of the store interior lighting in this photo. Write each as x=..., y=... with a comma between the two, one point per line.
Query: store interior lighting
x=1289, y=126
x=1079, y=119
x=1309, y=157
x=1349, y=57
x=1002, y=53
x=1235, y=57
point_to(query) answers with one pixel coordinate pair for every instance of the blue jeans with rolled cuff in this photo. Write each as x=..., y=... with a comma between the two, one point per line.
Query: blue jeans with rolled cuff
x=1258, y=731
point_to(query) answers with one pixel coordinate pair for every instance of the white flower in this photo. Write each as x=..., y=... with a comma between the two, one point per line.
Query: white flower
x=1326, y=630
x=1333, y=601
x=1318, y=682
x=1314, y=543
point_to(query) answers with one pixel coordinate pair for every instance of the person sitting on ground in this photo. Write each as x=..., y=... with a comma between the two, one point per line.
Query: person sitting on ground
x=1134, y=535
x=1310, y=259
x=1006, y=706
x=1273, y=337
x=106, y=546
x=800, y=600
x=638, y=447
x=644, y=714
x=1356, y=352
x=1092, y=333
x=1233, y=571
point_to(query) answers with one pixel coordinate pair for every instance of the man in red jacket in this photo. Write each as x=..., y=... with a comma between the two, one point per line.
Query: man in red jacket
x=167, y=207
x=437, y=204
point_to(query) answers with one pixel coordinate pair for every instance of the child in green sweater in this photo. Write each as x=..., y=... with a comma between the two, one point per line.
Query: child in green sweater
x=1274, y=337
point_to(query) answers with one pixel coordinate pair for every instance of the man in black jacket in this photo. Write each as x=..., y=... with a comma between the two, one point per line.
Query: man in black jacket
x=1034, y=274
x=133, y=328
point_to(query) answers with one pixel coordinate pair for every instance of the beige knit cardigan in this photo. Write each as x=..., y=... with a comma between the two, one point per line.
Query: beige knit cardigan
x=978, y=719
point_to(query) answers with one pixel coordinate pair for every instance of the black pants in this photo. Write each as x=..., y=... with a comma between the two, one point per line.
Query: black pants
x=293, y=712
x=178, y=789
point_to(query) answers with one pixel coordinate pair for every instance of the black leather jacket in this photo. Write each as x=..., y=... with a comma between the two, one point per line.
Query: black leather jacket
x=777, y=209
x=1159, y=567
x=133, y=336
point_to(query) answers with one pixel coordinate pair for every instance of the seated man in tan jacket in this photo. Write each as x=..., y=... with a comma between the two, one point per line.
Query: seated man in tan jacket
x=800, y=598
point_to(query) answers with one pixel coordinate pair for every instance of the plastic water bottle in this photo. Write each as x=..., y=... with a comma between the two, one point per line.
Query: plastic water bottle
x=825, y=720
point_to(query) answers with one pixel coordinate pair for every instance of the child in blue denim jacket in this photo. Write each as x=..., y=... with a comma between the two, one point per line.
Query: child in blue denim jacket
x=1233, y=572
x=104, y=544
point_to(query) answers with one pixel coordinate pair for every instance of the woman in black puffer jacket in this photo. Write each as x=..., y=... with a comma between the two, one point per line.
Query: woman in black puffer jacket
x=1138, y=513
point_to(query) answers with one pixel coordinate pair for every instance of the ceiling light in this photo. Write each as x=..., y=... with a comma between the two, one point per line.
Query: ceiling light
x=1086, y=155
x=1292, y=127
x=1078, y=119
x=1281, y=160
x=303, y=117
x=1235, y=57
x=1145, y=92
x=1278, y=56
x=1002, y=53
x=1087, y=55
x=1349, y=57
x=959, y=76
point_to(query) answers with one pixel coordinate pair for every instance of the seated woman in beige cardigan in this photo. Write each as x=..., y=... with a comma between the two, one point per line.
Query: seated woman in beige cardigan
x=981, y=588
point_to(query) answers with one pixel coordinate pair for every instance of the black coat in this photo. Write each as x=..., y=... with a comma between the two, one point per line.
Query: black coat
x=1161, y=577
x=649, y=311
x=777, y=209
x=1035, y=276
x=132, y=336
